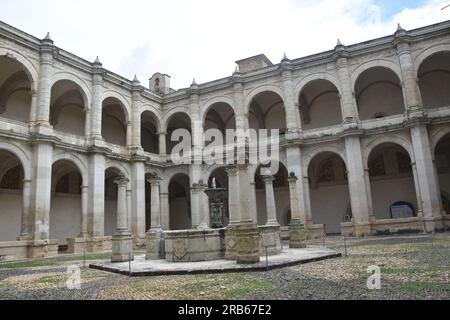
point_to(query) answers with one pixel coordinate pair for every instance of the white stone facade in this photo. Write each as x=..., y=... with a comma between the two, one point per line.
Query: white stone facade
x=364, y=127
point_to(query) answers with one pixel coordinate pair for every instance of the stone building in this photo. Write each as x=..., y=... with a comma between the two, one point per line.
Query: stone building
x=84, y=152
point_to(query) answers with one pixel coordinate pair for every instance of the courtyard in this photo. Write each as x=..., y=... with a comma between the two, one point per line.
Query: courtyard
x=412, y=267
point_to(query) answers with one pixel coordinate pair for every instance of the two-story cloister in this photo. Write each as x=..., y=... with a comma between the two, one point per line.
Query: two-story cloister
x=365, y=129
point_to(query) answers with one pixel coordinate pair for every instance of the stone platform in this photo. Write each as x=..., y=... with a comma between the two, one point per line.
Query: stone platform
x=288, y=257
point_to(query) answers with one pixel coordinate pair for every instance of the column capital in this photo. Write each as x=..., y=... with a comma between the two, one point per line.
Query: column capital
x=121, y=180
x=292, y=178
x=153, y=179
x=232, y=171
x=268, y=179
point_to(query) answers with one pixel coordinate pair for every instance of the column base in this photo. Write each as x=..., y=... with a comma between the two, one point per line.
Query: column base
x=434, y=224
x=42, y=249
x=122, y=246
x=98, y=244
x=297, y=234
x=362, y=230
x=230, y=242
x=270, y=239
x=248, y=244
x=77, y=245
x=155, y=245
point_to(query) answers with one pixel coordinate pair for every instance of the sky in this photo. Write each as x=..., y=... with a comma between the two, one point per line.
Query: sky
x=201, y=39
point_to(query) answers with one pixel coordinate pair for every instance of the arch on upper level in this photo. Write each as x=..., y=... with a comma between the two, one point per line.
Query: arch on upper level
x=434, y=80
x=319, y=103
x=115, y=119
x=379, y=93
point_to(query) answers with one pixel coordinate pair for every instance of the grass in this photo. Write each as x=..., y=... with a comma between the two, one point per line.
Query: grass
x=52, y=261
x=47, y=280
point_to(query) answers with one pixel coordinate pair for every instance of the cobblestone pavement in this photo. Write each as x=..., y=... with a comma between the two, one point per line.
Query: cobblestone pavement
x=412, y=267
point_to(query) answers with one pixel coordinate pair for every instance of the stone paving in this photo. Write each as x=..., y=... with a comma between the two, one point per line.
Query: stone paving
x=413, y=267
x=289, y=257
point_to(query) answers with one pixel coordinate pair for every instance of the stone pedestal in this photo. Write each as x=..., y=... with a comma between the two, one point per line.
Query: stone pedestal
x=248, y=244
x=230, y=242
x=42, y=249
x=297, y=234
x=122, y=246
x=155, y=247
x=270, y=239
x=99, y=244
x=362, y=230
x=77, y=245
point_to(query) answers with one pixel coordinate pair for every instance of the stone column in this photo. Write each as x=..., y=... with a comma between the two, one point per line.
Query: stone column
x=417, y=188
x=241, y=114
x=155, y=209
x=84, y=212
x=41, y=190
x=254, y=205
x=129, y=191
x=136, y=91
x=154, y=245
x=428, y=190
x=247, y=233
x=198, y=211
x=45, y=82
x=369, y=194
x=359, y=198
x=96, y=103
x=33, y=106
x=129, y=137
x=122, y=240
x=294, y=162
x=26, y=193
x=293, y=122
x=270, y=202
x=414, y=104
x=137, y=213
x=233, y=212
x=162, y=143
x=348, y=102
x=96, y=196
x=297, y=231
x=165, y=210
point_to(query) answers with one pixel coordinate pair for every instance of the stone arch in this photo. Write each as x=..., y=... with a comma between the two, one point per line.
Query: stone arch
x=302, y=83
x=179, y=186
x=392, y=179
x=113, y=164
x=84, y=88
x=264, y=88
x=319, y=102
x=428, y=52
x=123, y=102
x=156, y=114
x=394, y=67
x=170, y=114
x=436, y=136
x=311, y=154
x=394, y=139
x=328, y=189
x=76, y=160
x=21, y=154
x=168, y=175
x=28, y=66
x=211, y=102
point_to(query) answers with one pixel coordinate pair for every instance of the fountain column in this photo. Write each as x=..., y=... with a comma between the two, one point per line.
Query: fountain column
x=122, y=240
x=297, y=231
x=270, y=202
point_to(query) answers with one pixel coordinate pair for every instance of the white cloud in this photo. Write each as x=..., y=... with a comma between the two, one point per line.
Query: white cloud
x=203, y=38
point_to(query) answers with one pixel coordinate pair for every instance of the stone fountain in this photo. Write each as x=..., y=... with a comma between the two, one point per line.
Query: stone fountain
x=217, y=208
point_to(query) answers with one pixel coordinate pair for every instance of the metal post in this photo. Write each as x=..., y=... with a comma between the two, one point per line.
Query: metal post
x=267, y=259
x=129, y=264
x=345, y=245
x=84, y=258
